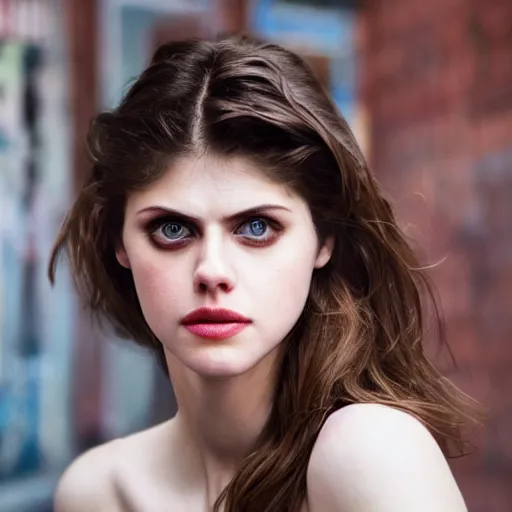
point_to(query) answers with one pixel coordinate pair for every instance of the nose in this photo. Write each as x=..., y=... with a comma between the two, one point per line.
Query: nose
x=213, y=272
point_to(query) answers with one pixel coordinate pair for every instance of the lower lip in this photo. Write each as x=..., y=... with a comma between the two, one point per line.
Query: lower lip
x=217, y=331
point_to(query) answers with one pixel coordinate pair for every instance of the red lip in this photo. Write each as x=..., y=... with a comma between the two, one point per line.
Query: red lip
x=215, y=323
x=214, y=316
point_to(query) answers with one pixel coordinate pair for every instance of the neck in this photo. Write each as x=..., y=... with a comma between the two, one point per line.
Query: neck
x=222, y=418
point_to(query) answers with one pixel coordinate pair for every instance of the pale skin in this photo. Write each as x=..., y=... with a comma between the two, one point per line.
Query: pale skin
x=367, y=458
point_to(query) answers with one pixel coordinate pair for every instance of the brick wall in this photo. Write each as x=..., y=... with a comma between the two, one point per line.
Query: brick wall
x=437, y=84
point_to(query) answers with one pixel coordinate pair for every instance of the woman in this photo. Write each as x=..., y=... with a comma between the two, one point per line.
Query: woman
x=231, y=224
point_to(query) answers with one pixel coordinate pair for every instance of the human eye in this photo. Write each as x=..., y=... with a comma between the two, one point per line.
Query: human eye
x=168, y=233
x=258, y=231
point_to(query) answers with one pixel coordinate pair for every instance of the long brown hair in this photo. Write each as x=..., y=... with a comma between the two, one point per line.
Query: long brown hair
x=360, y=337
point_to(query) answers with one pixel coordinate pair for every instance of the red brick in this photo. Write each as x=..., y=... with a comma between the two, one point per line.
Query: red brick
x=437, y=131
x=496, y=19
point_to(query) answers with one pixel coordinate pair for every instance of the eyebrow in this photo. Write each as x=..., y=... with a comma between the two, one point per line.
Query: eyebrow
x=249, y=212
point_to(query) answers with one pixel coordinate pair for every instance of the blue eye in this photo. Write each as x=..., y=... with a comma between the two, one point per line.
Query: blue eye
x=174, y=231
x=255, y=228
x=258, y=227
x=169, y=234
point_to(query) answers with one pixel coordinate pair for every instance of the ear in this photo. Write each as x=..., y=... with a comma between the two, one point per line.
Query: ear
x=325, y=252
x=122, y=256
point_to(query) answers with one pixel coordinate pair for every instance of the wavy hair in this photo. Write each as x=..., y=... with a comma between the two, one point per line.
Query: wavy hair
x=360, y=336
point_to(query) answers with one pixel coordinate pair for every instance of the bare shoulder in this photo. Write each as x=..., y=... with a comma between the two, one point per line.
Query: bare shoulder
x=88, y=483
x=94, y=480
x=370, y=457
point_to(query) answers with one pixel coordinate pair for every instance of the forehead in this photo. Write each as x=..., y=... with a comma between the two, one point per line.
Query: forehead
x=211, y=181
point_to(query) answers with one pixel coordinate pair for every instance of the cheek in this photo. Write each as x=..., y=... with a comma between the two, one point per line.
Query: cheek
x=283, y=286
x=157, y=284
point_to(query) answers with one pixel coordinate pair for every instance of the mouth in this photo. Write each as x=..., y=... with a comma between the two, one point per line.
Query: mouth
x=215, y=323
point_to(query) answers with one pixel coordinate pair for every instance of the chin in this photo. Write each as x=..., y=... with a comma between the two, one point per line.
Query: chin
x=215, y=363
x=222, y=359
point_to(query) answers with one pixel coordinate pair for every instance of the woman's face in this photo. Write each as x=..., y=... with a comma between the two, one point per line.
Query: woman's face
x=217, y=234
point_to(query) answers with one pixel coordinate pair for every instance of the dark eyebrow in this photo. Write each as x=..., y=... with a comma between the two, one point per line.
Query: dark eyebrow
x=249, y=212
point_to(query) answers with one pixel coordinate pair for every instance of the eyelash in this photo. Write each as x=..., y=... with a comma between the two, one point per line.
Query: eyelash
x=156, y=224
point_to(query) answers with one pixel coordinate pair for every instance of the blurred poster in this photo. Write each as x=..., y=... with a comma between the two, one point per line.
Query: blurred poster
x=35, y=334
x=18, y=383
x=36, y=322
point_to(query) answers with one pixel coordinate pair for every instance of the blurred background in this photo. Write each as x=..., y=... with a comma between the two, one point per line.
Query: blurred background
x=426, y=87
